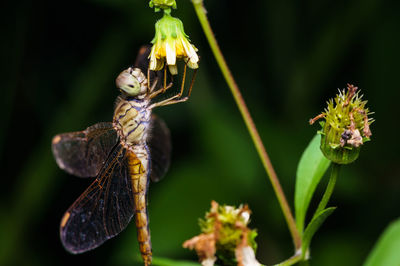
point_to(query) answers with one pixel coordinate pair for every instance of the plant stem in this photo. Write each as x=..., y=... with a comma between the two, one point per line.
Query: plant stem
x=201, y=14
x=292, y=260
x=329, y=188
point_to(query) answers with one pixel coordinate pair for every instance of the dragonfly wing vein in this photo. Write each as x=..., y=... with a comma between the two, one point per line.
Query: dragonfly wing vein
x=83, y=153
x=103, y=210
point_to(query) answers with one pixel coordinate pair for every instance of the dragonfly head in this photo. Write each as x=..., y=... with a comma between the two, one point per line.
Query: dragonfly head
x=132, y=81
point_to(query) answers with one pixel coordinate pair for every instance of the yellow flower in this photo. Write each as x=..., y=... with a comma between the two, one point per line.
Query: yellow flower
x=170, y=42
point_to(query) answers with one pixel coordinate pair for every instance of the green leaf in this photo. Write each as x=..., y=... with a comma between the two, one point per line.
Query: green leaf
x=310, y=170
x=386, y=250
x=313, y=226
x=157, y=261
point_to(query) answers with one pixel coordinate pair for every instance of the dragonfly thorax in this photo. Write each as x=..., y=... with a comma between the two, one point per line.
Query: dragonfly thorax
x=132, y=120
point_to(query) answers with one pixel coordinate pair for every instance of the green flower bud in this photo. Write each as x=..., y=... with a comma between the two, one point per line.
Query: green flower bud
x=166, y=5
x=346, y=126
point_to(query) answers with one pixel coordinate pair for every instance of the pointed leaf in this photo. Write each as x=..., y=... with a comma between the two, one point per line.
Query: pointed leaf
x=310, y=170
x=386, y=250
x=158, y=261
x=313, y=226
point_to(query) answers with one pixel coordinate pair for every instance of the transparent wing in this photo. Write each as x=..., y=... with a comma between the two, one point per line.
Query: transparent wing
x=103, y=210
x=83, y=153
x=160, y=148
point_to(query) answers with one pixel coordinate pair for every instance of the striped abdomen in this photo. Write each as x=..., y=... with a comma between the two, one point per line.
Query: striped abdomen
x=138, y=169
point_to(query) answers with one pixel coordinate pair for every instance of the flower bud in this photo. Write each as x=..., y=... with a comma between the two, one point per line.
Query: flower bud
x=166, y=5
x=346, y=126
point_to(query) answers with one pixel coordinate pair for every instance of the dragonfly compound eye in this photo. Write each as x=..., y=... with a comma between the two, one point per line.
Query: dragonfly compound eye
x=127, y=82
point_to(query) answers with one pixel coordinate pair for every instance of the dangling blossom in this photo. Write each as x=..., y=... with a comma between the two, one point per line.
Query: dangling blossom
x=170, y=42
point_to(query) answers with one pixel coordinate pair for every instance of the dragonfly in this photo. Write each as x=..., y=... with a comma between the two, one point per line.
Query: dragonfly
x=123, y=156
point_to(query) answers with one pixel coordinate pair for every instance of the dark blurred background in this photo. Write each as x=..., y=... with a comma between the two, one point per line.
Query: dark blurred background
x=59, y=61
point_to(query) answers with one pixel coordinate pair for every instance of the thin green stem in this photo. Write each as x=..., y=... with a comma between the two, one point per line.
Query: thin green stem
x=201, y=14
x=329, y=188
x=292, y=260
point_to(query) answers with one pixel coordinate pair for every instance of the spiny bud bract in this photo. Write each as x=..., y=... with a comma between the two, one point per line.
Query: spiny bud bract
x=346, y=126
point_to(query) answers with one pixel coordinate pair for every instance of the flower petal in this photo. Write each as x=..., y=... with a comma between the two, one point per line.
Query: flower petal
x=170, y=52
x=173, y=69
x=245, y=256
x=190, y=52
x=153, y=60
x=190, y=64
x=208, y=261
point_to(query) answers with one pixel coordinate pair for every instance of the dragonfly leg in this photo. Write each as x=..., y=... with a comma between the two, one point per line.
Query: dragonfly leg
x=166, y=87
x=177, y=98
x=192, y=82
x=149, y=86
x=160, y=91
x=153, y=93
x=170, y=101
x=165, y=78
x=183, y=84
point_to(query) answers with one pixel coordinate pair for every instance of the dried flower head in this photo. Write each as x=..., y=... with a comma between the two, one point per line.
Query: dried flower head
x=346, y=127
x=170, y=42
x=225, y=234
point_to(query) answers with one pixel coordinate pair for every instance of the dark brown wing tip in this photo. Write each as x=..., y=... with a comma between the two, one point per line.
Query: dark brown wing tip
x=143, y=49
x=142, y=57
x=68, y=246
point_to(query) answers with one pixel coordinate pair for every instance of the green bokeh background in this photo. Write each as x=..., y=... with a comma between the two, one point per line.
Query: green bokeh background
x=59, y=62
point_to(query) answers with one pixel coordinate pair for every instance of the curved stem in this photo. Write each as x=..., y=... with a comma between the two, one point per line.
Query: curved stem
x=201, y=14
x=292, y=260
x=329, y=188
